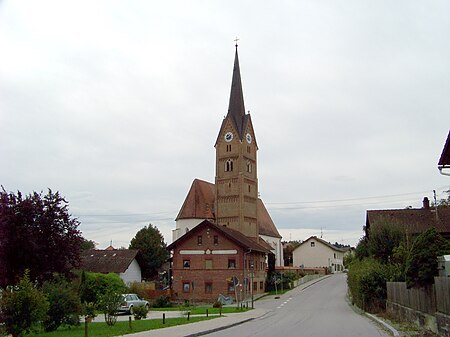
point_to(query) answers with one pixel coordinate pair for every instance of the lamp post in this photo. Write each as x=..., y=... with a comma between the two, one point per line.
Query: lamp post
x=245, y=276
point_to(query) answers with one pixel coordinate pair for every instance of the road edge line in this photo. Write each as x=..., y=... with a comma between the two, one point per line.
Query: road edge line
x=392, y=329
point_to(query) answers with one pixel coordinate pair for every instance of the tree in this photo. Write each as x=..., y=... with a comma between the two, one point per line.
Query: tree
x=421, y=264
x=150, y=242
x=37, y=233
x=88, y=244
x=383, y=239
x=23, y=306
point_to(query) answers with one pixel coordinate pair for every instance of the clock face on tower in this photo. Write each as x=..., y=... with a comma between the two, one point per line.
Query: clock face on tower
x=248, y=137
x=228, y=136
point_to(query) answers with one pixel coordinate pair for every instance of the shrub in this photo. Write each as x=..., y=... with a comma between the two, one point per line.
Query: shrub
x=217, y=304
x=421, y=264
x=367, y=284
x=108, y=304
x=162, y=302
x=23, y=306
x=64, y=302
x=140, y=312
x=95, y=285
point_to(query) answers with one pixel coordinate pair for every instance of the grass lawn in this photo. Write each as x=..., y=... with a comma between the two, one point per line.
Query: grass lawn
x=202, y=310
x=100, y=329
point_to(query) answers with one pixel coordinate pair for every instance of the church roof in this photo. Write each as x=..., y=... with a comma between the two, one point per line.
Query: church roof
x=200, y=201
x=231, y=234
x=236, y=108
x=266, y=225
x=444, y=161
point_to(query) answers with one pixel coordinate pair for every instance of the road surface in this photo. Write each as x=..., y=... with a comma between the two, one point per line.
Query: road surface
x=319, y=310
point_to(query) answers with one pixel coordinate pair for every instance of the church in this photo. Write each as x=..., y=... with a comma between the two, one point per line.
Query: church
x=224, y=237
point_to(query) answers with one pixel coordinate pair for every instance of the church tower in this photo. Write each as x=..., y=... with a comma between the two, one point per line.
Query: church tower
x=236, y=180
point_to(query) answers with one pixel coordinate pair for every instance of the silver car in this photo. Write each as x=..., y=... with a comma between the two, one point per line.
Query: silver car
x=130, y=301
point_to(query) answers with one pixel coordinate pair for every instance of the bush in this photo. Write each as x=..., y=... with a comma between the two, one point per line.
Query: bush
x=108, y=304
x=162, y=302
x=140, y=312
x=217, y=304
x=421, y=264
x=23, y=306
x=367, y=284
x=64, y=301
x=95, y=285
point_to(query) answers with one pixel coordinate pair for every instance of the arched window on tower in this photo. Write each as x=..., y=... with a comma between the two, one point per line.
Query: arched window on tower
x=229, y=165
x=249, y=166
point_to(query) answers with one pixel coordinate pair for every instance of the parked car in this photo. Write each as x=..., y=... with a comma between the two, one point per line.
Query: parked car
x=130, y=301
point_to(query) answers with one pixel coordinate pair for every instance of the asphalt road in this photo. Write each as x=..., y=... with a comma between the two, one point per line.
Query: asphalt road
x=319, y=310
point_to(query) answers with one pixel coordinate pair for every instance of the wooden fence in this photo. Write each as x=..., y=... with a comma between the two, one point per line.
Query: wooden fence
x=427, y=300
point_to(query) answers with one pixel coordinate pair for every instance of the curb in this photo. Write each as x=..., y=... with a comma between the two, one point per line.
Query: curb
x=202, y=333
x=375, y=318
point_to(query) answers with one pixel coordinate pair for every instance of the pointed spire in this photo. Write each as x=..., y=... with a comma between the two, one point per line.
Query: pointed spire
x=236, y=108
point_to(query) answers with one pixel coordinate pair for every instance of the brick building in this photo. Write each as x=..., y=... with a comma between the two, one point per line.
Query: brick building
x=210, y=257
x=223, y=230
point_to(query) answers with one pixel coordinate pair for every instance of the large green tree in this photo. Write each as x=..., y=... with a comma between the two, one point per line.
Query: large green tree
x=38, y=234
x=150, y=242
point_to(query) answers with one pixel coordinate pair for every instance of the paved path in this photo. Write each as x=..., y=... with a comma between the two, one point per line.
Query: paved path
x=314, y=309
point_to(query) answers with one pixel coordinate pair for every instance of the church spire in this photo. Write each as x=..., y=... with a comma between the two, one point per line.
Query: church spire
x=236, y=109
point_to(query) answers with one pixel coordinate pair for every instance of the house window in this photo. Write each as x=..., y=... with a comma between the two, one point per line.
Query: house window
x=255, y=286
x=208, y=287
x=231, y=263
x=228, y=148
x=313, y=244
x=261, y=285
x=262, y=265
x=229, y=165
x=199, y=240
x=249, y=188
x=208, y=264
x=186, y=287
x=334, y=255
x=186, y=264
x=216, y=239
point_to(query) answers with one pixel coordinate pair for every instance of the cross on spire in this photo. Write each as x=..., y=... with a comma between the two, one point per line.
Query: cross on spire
x=236, y=41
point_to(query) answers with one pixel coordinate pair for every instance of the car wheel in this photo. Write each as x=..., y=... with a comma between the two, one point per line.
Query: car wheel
x=131, y=310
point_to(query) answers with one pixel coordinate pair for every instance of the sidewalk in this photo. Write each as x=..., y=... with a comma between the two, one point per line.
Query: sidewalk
x=203, y=327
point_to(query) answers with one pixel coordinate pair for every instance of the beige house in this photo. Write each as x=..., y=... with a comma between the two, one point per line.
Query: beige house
x=317, y=253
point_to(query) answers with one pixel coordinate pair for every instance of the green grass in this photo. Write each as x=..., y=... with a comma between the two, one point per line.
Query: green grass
x=100, y=329
x=202, y=310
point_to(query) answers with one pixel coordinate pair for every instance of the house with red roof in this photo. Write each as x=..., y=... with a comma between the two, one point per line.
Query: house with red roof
x=123, y=262
x=317, y=253
x=412, y=220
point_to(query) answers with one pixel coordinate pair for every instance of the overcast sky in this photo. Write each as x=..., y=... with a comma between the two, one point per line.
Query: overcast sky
x=117, y=105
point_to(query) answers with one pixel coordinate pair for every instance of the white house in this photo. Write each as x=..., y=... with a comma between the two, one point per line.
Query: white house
x=123, y=262
x=316, y=253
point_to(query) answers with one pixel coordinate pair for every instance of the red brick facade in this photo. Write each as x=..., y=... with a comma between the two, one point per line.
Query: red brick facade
x=204, y=261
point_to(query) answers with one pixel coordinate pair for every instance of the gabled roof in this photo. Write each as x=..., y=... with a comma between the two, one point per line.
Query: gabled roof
x=199, y=203
x=444, y=161
x=231, y=234
x=107, y=261
x=266, y=225
x=342, y=250
x=414, y=220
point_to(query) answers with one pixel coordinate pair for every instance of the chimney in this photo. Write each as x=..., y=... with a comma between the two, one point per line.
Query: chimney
x=426, y=203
